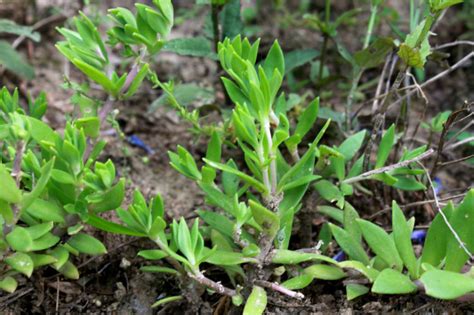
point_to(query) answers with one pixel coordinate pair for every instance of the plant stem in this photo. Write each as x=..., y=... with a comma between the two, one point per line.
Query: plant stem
x=266, y=179
x=108, y=105
x=322, y=59
x=215, y=9
x=415, y=204
x=461, y=142
x=327, y=13
x=133, y=71
x=173, y=262
x=276, y=287
x=350, y=98
x=16, y=171
x=380, y=117
x=272, y=156
x=370, y=27
x=456, y=161
x=216, y=286
x=441, y=212
x=441, y=144
x=388, y=168
x=359, y=71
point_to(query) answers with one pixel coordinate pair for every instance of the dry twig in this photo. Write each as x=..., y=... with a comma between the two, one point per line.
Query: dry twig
x=435, y=196
x=388, y=168
x=276, y=287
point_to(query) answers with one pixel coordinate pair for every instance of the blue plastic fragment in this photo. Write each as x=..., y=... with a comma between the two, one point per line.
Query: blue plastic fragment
x=340, y=256
x=418, y=236
x=135, y=141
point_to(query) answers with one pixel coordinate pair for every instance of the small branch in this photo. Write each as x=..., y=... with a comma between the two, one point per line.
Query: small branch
x=465, y=117
x=467, y=298
x=323, y=58
x=446, y=126
x=456, y=161
x=38, y=25
x=426, y=83
x=455, y=43
x=16, y=171
x=266, y=179
x=133, y=71
x=375, y=104
x=454, y=137
x=388, y=168
x=236, y=235
x=273, y=169
x=436, y=77
x=312, y=250
x=416, y=203
x=278, y=288
x=435, y=196
x=459, y=143
x=265, y=244
x=379, y=118
x=215, y=10
x=173, y=262
x=358, y=75
x=216, y=286
x=106, y=109
x=295, y=156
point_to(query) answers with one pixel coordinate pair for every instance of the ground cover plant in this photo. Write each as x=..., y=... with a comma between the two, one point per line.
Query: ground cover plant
x=273, y=163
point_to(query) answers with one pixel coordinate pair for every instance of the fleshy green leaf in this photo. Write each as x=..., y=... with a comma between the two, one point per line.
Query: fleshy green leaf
x=375, y=54
x=435, y=246
x=256, y=302
x=158, y=269
x=69, y=271
x=223, y=167
x=9, y=192
x=289, y=257
x=193, y=46
x=354, y=290
x=351, y=145
x=298, y=282
x=13, y=61
x=462, y=221
x=274, y=60
x=352, y=247
x=268, y=220
x=446, y=285
x=41, y=259
x=402, y=238
x=8, y=284
x=87, y=244
x=21, y=262
x=385, y=146
x=391, y=281
x=112, y=227
x=325, y=272
x=381, y=243
x=9, y=26
x=366, y=270
x=299, y=57
x=19, y=239
x=31, y=197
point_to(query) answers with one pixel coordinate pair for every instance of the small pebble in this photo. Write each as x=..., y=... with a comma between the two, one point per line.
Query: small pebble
x=97, y=302
x=124, y=263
